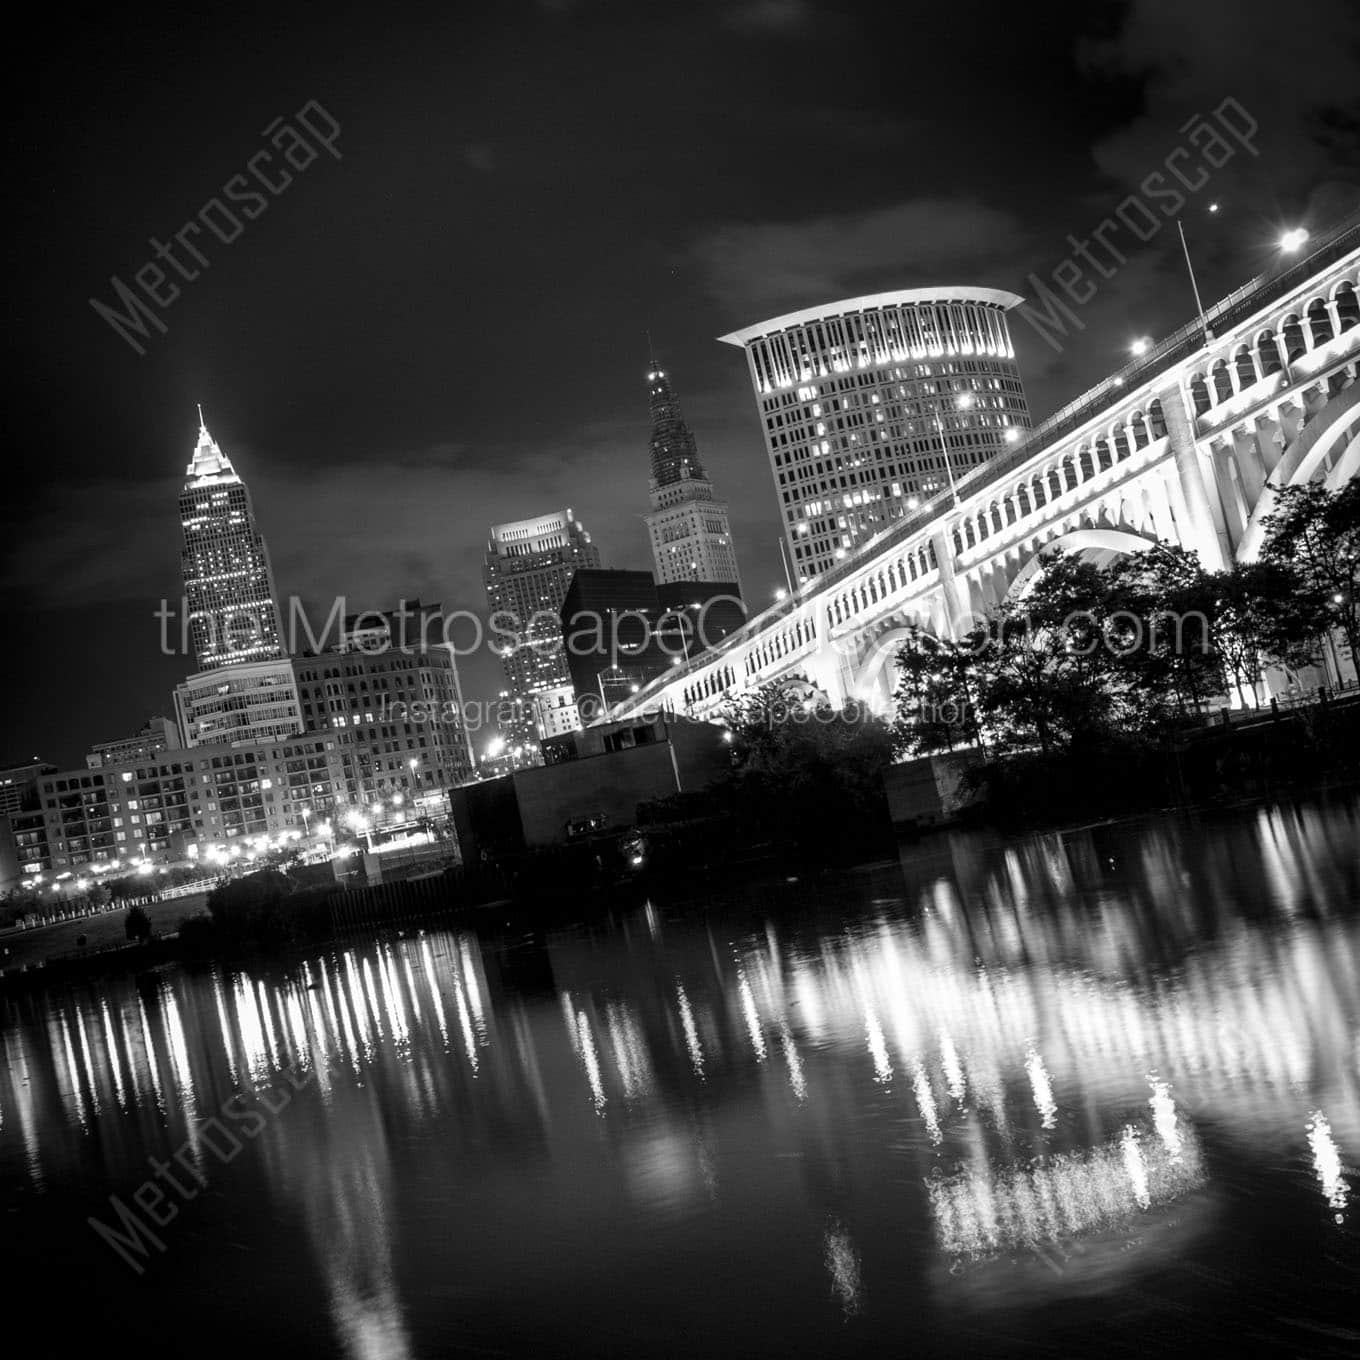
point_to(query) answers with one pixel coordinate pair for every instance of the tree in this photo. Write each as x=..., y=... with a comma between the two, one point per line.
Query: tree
x=1260, y=614
x=1316, y=534
x=811, y=772
x=936, y=696
x=137, y=925
x=1160, y=635
x=1045, y=671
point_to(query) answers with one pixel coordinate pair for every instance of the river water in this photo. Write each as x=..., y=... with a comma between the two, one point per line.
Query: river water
x=1095, y=1092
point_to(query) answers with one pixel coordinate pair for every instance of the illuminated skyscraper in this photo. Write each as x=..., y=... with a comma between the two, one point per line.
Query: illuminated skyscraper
x=688, y=525
x=228, y=583
x=529, y=566
x=874, y=403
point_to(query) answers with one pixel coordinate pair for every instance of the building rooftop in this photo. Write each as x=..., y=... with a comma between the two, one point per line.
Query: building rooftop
x=900, y=297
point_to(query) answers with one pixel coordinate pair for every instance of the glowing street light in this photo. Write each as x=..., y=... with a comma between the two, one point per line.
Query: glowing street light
x=1293, y=239
x=1140, y=346
x=1013, y=435
x=781, y=594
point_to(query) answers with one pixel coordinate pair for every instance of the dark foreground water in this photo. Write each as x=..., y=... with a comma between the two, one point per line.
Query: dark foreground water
x=1095, y=1093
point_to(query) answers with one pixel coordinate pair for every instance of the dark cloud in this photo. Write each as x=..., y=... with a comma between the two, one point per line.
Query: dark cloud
x=781, y=17
x=1297, y=72
x=758, y=269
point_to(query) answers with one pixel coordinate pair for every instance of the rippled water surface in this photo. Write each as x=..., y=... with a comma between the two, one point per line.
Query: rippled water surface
x=1095, y=1092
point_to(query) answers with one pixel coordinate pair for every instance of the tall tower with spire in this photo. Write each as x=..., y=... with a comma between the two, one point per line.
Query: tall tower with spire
x=228, y=582
x=688, y=526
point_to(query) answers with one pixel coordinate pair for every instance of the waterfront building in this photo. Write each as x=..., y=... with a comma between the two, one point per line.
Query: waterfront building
x=529, y=566
x=171, y=807
x=229, y=594
x=245, y=702
x=23, y=845
x=17, y=783
x=159, y=734
x=591, y=785
x=874, y=404
x=396, y=715
x=688, y=525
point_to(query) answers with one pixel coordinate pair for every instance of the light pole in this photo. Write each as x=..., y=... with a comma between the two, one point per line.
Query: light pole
x=784, y=558
x=962, y=404
x=1194, y=287
x=599, y=681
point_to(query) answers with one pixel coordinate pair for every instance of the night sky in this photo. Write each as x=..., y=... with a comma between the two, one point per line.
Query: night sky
x=446, y=326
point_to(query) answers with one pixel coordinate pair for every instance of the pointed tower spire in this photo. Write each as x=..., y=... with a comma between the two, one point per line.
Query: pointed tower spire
x=674, y=453
x=651, y=354
x=688, y=525
x=208, y=461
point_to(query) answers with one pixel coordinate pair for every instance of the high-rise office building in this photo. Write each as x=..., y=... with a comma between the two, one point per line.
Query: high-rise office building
x=688, y=526
x=228, y=583
x=619, y=637
x=872, y=404
x=244, y=688
x=529, y=566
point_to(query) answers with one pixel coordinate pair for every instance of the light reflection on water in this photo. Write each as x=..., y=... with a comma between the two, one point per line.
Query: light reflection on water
x=1003, y=1075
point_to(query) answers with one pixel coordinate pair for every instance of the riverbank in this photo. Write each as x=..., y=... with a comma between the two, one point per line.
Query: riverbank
x=1274, y=753
x=763, y=883
x=103, y=930
x=698, y=850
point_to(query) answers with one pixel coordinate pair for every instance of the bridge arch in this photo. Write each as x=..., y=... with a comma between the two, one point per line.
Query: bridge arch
x=873, y=682
x=1327, y=449
x=1098, y=544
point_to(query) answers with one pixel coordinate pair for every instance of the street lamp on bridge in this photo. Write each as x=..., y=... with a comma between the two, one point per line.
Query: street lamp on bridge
x=964, y=402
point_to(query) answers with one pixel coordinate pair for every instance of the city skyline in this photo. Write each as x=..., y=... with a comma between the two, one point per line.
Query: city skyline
x=686, y=680
x=353, y=409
